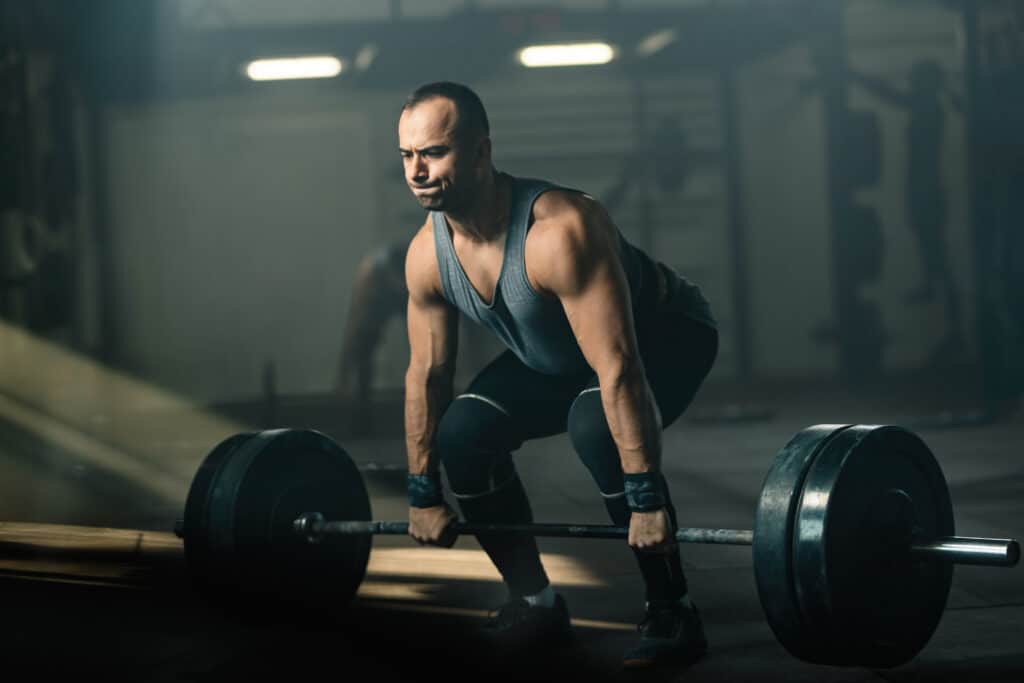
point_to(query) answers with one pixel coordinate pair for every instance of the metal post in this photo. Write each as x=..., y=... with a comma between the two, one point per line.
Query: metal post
x=737, y=225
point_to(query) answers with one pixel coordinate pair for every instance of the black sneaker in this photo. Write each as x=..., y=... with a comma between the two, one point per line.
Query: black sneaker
x=518, y=625
x=669, y=634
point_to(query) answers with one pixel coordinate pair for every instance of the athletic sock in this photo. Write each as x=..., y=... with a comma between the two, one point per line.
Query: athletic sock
x=545, y=598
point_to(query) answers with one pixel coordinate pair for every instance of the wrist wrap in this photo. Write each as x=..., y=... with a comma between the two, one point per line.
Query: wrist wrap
x=645, y=491
x=424, y=490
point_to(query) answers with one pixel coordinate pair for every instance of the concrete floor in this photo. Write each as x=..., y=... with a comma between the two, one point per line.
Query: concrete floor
x=121, y=613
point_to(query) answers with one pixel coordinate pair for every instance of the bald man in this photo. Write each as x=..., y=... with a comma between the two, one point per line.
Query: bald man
x=603, y=342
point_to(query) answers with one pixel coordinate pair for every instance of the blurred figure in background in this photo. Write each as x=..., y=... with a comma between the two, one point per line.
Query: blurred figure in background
x=379, y=295
x=925, y=191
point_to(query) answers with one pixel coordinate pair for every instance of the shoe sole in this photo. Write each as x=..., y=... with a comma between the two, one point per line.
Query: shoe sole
x=672, y=660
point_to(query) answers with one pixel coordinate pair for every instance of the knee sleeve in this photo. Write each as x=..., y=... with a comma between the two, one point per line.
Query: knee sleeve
x=595, y=446
x=475, y=439
x=593, y=442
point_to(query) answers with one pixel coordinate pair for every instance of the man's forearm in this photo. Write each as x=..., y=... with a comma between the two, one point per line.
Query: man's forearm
x=633, y=418
x=426, y=397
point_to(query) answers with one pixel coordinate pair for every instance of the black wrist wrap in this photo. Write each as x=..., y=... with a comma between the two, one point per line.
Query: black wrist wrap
x=645, y=491
x=424, y=490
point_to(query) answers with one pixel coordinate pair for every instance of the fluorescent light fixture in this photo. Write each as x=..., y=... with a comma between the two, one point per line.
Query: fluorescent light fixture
x=289, y=68
x=656, y=42
x=567, y=54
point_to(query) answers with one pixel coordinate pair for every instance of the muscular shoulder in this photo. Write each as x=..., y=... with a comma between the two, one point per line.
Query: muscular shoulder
x=564, y=218
x=571, y=233
x=422, y=276
x=565, y=207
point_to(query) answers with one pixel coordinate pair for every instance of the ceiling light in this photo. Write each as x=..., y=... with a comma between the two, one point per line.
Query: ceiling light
x=317, y=66
x=569, y=54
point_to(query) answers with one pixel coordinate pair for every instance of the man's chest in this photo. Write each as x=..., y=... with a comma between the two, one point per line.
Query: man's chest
x=481, y=263
x=484, y=264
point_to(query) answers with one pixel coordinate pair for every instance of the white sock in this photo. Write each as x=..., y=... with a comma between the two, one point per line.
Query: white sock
x=546, y=598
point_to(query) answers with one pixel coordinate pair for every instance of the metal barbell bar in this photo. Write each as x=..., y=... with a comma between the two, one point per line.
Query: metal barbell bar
x=991, y=552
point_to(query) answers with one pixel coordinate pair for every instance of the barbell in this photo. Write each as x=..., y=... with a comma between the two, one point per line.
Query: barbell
x=853, y=540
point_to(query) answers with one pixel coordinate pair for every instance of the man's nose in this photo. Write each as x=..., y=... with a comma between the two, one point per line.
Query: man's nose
x=419, y=169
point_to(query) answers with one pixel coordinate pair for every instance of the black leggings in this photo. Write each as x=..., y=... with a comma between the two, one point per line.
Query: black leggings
x=508, y=403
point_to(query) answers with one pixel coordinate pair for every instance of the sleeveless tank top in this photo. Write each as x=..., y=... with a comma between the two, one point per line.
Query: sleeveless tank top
x=532, y=326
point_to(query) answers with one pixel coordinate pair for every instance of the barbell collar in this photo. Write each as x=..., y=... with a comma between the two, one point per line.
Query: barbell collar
x=310, y=525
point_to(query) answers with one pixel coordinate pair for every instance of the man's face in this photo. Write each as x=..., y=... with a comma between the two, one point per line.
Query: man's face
x=440, y=171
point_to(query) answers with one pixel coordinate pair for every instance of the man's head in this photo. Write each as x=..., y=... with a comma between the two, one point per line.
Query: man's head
x=444, y=140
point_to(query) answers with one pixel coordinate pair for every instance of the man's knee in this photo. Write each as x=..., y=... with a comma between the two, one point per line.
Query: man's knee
x=593, y=442
x=474, y=439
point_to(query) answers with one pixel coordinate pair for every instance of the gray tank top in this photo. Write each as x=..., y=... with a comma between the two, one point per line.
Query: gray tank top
x=533, y=326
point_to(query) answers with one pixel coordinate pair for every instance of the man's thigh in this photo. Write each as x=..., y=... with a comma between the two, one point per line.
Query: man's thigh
x=535, y=404
x=677, y=354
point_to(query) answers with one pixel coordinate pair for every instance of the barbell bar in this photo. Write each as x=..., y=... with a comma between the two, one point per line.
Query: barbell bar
x=991, y=552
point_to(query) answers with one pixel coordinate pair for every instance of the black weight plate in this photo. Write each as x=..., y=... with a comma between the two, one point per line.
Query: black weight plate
x=773, y=533
x=258, y=492
x=195, y=530
x=865, y=494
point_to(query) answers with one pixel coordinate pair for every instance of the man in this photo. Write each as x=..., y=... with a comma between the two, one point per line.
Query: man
x=603, y=343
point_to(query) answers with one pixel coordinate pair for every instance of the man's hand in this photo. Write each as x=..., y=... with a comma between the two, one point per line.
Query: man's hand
x=433, y=526
x=651, y=532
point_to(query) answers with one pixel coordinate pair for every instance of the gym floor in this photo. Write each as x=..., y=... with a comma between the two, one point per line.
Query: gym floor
x=92, y=582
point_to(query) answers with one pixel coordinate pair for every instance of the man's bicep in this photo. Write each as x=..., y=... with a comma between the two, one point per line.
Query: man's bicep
x=431, y=320
x=594, y=292
x=601, y=317
x=433, y=338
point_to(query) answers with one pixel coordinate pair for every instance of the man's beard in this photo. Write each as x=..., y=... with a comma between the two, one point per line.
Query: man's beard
x=433, y=203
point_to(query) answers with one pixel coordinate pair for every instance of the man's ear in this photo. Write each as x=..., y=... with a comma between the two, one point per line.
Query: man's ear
x=483, y=151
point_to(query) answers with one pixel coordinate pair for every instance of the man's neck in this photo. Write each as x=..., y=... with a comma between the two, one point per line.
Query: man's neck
x=487, y=219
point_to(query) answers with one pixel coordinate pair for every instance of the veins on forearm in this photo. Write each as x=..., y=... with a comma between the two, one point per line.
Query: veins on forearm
x=425, y=402
x=633, y=419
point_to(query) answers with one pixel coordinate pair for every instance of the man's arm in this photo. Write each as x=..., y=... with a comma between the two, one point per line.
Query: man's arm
x=574, y=256
x=433, y=342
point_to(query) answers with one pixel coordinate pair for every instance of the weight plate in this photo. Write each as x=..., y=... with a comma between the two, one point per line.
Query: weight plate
x=258, y=491
x=773, y=533
x=865, y=495
x=198, y=553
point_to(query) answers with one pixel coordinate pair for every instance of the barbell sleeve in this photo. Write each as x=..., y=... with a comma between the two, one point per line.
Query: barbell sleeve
x=991, y=552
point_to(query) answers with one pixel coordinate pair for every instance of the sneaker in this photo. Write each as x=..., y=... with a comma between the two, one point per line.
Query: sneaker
x=517, y=625
x=668, y=634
